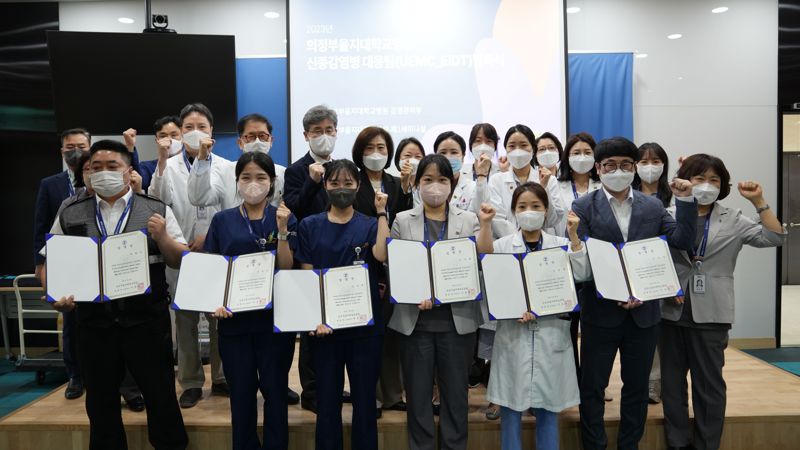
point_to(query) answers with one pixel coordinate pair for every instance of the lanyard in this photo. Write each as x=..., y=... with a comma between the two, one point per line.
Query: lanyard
x=101, y=223
x=70, y=187
x=442, y=232
x=700, y=253
x=574, y=190
x=188, y=164
x=261, y=241
x=537, y=247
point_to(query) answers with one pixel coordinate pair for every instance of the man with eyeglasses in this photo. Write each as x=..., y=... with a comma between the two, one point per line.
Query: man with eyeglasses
x=617, y=213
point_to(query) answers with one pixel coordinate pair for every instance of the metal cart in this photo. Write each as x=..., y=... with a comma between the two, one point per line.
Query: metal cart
x=49, y=361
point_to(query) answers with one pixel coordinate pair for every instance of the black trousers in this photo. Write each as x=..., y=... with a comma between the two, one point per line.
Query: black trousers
x=146, y=350
x=256, y=362
x=599, y=346
x=305, y=366
x=702, y=354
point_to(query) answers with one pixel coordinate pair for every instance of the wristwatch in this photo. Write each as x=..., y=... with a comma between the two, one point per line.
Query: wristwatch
x=762, y=209
x=382, y=214
x=283, y=236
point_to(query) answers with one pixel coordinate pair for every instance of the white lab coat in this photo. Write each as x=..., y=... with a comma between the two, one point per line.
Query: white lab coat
x=567, y=197
x=218, y=185
x=501, y=189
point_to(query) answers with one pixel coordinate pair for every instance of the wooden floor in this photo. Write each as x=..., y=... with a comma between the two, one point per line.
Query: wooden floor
x=763, y=413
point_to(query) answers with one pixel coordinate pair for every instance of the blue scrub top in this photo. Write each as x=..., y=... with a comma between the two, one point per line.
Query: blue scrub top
x=326, y=245
x=229, y=235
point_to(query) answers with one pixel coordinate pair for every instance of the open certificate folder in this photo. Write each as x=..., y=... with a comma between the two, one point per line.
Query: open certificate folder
x=540, y=282
x=637, y=270
x=444, y=271
x=338, y=297
x=239, y=283
x=97, y=269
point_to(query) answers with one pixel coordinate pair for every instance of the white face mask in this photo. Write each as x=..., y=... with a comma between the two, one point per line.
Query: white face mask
x=107, y=183
x=649, y=173
x=434, y=194
x=530, y=220
x=482, y=149
x=175, y=147
x=705, y=193
x=581, y=163
x=257, y=146
x=322, y=145
x=375, y=162
x=547, y=158
x=617, y=181
x=519, y=158
x=192, y=138
x=253, y=192
x=414, y=164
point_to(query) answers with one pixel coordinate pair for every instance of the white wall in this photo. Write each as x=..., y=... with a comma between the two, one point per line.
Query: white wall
x=713, y=91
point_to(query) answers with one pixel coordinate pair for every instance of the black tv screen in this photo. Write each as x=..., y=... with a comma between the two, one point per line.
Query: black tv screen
x=109, y=82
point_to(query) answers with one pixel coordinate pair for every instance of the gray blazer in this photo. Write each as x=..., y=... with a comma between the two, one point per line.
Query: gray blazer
x=410, y=225
x=728, y=231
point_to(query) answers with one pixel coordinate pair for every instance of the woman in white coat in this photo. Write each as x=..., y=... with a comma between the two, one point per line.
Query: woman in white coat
x=532, y=362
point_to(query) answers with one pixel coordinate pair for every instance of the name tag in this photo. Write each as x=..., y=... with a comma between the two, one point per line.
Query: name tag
x=699, y=284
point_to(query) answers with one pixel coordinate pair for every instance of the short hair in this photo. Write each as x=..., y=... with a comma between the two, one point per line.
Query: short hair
x=488, y=130
x=85, y=158
x=254, y=117
x=535, y=189
x=197, y=108
x=450, y=135
x=441, y=163
x=615, y=146
x=164, y=121
x=664, y=191
x=72, y=131
x=336, y=166
x=263, y=160
x=363, y=139
x=552, y=137
x=527, y=132
x=699, y=163
x=112, y=146
x=565, y=170
x=402, y=145
x=317, y=114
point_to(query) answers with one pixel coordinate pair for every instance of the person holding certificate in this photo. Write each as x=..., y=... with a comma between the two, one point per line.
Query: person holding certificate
x=340, y=237
x=255, y=358
x=132, y=332
x=694, y=332
x=617, y=213
x=436, y=340
x=530, y=367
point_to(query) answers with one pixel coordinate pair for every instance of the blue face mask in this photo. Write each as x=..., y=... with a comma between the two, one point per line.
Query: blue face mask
x=455, y=163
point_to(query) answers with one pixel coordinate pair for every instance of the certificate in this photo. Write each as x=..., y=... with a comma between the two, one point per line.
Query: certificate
x=97, y=269
x=505, y=288
x=637, y=270
x=338, y=297
x=238, y=283
x=444, y=271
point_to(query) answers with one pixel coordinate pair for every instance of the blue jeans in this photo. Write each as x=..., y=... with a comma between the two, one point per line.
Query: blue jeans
x=546, y=429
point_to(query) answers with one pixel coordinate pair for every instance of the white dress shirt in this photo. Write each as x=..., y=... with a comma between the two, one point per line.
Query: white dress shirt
x=622, y=210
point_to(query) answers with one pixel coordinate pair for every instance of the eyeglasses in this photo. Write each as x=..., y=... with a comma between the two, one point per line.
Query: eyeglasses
x=316, y=132
x=252, y=137
x=611, y=166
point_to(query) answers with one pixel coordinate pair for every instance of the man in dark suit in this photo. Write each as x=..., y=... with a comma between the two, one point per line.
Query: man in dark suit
x=617, y=213
x=53, y=190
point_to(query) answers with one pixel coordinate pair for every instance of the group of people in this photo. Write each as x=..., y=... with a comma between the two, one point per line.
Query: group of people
x=322, y=213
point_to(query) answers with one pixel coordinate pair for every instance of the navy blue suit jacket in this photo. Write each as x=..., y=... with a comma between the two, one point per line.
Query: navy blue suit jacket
x=53, y=190
x=145, y=168
x=648, y=219
x=301, y=194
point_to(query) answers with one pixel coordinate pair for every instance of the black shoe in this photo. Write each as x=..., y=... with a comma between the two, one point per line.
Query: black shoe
x=436, y=408
x=308, y=405
x=190, y=397
x=378, y=413
x=221, y=389
x=292, y=397
x=346, y=397
x=74, y=388
x=136, y=404
x=399, y=406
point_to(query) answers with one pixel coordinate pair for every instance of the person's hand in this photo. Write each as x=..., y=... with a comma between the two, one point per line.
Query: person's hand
x=544, y=176
x=486, y=214
x=64, y=304
x=197, y=244
x=572, y=225
x=753, y=192
x=679, y=300
x=157, y=227
x=129, y=136
x=681, y=187
x=136, y=182
x=504, y=164
x=630, y=304
x=527, y=316
x=405, y=175
x=163, y=145
x=483, y=165
x=223, y=313
x=681, y=159
x=426, y=305
x=282, y=217
x=380, y=202
x=316, y=171
x=321, y=331
x=206, y=145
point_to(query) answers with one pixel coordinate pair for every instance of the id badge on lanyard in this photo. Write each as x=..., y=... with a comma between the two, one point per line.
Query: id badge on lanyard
x=359, y=259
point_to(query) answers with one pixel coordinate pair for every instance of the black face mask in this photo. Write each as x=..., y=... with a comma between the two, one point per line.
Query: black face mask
x=342, y=197
x=72, y=158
